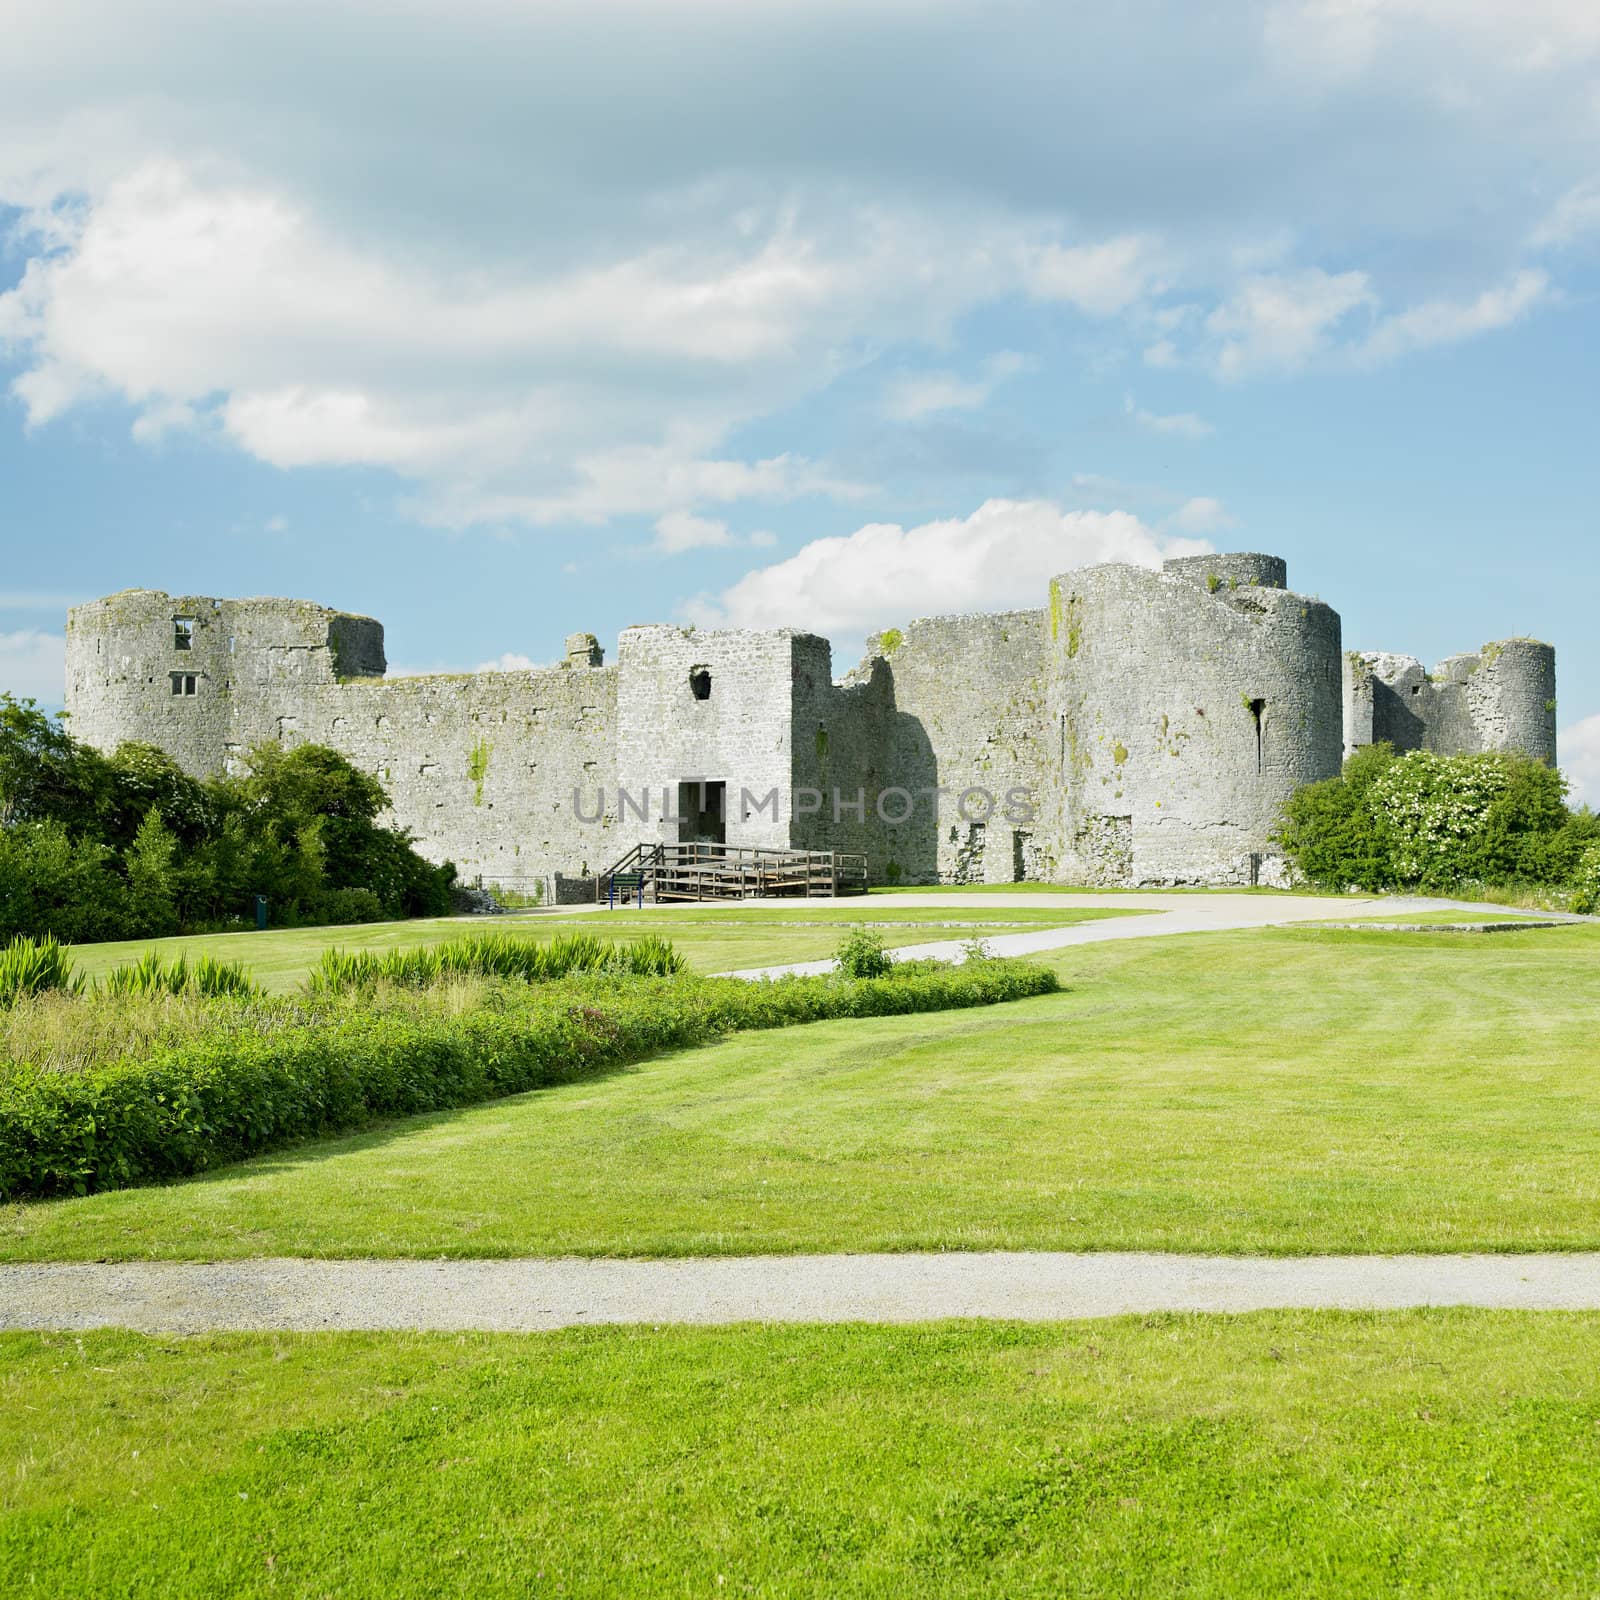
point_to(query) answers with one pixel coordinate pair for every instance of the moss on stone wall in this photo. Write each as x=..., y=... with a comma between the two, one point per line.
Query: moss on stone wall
x=478, y=767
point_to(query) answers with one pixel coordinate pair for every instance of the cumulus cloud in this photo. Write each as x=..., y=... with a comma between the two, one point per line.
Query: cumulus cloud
x=1001, y=557
x=33, y=665
x=546, y=281
x=1578, y=749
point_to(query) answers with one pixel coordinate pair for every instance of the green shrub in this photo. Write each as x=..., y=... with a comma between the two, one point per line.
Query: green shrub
x=295, y=1072
x=861, y=954
x=344, y=906
x=32, y=966
x=1586, y=882
x=54, y=886
x=1431, y=822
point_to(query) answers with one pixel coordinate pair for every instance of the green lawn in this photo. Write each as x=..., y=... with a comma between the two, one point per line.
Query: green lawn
x=1278, y=1090
x=1429, y=918
x=1077, y=888
x=1440, y=1453
x=714, y=939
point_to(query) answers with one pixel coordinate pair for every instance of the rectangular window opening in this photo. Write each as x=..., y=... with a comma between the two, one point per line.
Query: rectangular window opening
x=183, y=633
x=183, y=683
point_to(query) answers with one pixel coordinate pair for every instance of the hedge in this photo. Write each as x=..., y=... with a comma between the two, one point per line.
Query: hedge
x=302, y=1075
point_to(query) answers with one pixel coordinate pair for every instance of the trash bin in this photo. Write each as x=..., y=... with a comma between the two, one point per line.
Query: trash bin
x=261, y=913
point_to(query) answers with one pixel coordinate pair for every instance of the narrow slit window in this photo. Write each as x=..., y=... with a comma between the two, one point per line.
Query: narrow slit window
x=183, y=633
x=183, y=684
x=1258, y=710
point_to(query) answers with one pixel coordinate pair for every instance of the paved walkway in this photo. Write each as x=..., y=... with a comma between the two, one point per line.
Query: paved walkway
x=1166, y=914
x=533, y=1296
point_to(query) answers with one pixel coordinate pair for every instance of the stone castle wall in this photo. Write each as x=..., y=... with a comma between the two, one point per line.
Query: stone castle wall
x=479, y=766
x=1142, y=728
x=1502, y=697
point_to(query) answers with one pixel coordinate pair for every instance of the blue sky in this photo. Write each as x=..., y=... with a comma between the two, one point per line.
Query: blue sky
x=499, y=320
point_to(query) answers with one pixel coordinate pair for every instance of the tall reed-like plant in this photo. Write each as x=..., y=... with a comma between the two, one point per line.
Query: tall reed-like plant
x=495, y=955
x=32, y=966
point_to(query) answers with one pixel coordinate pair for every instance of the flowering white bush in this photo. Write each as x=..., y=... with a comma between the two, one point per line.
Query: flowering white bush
x=1431, y=807
x=1586, y=882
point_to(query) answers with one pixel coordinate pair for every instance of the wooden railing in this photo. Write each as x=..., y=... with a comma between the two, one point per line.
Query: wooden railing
x=705, y=871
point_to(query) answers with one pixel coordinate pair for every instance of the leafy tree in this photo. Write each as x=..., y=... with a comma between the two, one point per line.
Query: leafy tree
x=152, y=879
x=52, y=884
x=143, y=777
x=45, y=774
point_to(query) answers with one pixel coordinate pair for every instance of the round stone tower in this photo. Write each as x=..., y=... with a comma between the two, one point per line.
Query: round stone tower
x=1188, y=706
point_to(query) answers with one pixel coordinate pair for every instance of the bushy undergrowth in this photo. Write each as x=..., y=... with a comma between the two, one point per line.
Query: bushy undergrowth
x=262, y=1074
x=129, y=846
x=496, y=955
x=1439, y=823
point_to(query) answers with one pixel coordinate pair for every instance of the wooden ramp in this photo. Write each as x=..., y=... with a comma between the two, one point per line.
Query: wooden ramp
x=653, y=873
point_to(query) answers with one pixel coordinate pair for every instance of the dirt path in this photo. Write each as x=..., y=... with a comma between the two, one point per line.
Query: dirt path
x=1165, y=915
x=531, y=1296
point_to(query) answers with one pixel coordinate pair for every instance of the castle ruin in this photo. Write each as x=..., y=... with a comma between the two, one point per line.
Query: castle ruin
x=1141, y=728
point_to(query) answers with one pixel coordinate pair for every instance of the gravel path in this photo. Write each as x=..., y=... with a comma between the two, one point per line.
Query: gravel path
x=1166, y=914
x=531, y=1296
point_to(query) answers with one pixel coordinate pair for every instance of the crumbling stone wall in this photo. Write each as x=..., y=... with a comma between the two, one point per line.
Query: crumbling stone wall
x=1502, y=697
x=950, y=710
x=479, y=766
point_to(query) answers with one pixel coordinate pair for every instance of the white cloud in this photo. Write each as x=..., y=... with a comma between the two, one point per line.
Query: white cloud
x=1278, y=322
x=682, y=530
x=1574, y=216
x=1447, y=322
x=1202, y=514
x=1001, y=557
x=33, y=665
x=1579, y=753
x=1185, y=424
x=1100, y=279
x=472, y=244
x=510, y=661
x=918, y=394
x=507, y=397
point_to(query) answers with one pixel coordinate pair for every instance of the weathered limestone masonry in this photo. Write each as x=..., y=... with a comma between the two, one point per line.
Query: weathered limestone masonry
x=480, y=766
x=1189, y=704
x=1142, y=728
x=1502, y=697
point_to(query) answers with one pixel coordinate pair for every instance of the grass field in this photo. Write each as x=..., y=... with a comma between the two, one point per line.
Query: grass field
x=1434, y=918
x=1295, y=1090
x=712, y=939
x=1441, y=1454
x=1078, y=888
